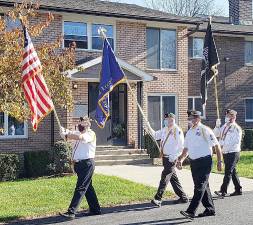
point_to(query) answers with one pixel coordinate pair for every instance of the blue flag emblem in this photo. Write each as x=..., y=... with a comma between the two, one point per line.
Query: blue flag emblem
x=111, y=75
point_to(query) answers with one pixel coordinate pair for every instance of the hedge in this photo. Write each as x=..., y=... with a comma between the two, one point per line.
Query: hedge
x=36, y=163
x=9, y=164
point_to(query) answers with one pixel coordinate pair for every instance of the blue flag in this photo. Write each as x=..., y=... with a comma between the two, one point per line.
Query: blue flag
x=111, y=75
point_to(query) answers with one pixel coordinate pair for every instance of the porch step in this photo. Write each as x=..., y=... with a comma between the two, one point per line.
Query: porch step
x=110, y=147
x=121, y=152
x=121, y=155
x=123, y=162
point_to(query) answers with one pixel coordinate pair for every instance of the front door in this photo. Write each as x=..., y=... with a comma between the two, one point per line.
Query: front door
x=114, y=132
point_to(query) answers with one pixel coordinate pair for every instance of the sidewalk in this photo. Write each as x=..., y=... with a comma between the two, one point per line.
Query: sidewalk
x=150, y=175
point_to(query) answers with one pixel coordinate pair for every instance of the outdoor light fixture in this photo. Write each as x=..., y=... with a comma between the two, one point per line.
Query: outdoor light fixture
x=74, y=86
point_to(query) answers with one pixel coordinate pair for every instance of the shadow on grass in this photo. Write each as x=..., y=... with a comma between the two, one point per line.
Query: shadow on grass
x=59, y=219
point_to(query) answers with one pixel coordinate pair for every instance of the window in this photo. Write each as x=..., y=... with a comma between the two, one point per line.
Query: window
x=10, y=127
x=86, y=35
x=158, y=105
x=196, y=47
x=248, y=52
x=161, y=48
x=194, y=103
x=11, y=24
x=80, y=110
x=97, y=42
x=75, y=32
x=249, y=110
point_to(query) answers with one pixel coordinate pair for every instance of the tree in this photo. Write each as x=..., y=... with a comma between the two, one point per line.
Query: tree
x=191, y=8
x=54, y=61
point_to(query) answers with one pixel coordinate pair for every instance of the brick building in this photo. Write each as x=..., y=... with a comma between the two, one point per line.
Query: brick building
x=161, y=56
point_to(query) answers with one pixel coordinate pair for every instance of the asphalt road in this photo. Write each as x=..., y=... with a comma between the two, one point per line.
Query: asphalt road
x=229, y=211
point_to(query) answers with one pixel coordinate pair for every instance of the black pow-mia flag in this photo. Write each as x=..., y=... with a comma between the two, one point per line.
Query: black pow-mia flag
x=209, y=63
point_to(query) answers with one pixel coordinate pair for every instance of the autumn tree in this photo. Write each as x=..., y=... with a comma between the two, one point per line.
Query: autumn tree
x=54, y=60
x=191, y=8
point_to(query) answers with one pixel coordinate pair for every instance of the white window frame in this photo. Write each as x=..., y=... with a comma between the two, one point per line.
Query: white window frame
x=160, y=62
x=7, y=136
x=193, y=56
x=89, y=34
x=80, y=35
x=246, y=63
x=247, y=120
x=193, y=105
x=161, y=105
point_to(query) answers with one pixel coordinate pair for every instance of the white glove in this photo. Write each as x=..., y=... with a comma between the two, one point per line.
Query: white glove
x=63, y=132
x=218, y=123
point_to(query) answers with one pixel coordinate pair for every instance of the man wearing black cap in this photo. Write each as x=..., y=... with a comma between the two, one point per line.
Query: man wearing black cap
x=230, y=136
x=84, y=165
x=199, y=143
x=172, y=141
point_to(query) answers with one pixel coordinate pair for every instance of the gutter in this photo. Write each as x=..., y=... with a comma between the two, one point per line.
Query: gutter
x=226, y=32
x=107, y=14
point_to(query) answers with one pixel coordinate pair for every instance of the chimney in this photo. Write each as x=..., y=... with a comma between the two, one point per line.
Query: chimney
x=240, y=12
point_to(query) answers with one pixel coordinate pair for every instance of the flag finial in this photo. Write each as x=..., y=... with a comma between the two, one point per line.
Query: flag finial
x=101, y=32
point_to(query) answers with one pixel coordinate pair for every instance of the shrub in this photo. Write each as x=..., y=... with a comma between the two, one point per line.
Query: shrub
x=9, y=164
x=247, y=143
x=61, y=156
x=36, y=163
x=151, y=147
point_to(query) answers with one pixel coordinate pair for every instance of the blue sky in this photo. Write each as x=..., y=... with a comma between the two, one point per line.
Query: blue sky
x=219, y=3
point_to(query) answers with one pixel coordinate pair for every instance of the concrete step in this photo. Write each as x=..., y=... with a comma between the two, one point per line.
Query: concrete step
x=120, y=157
x=110, y=147
x=121, y=152
x=123, y=162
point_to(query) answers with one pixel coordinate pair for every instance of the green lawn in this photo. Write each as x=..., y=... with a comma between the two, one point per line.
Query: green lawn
x=244, y=167
x=48, y=196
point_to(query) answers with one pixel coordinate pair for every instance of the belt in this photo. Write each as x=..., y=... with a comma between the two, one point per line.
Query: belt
x=81, y=160
x=204, y=157
x=229, y=152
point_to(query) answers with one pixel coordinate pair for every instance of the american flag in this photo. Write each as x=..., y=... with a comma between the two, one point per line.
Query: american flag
x=33, y=83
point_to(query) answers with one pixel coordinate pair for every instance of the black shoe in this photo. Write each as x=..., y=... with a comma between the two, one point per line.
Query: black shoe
x=181, y=200
x=236, y=193
x=207, y=213
x=93, y=213
x=156, y=202
x=68, y=215
x=220, y=194
x=188, y=215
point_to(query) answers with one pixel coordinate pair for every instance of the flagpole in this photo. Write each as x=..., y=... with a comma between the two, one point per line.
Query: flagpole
x=102, y=33
x=215, y=85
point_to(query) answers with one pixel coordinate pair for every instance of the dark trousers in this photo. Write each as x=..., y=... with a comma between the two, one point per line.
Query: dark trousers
x=230, y=161
x=169, y=174
x=84, y=170
x=201, y=169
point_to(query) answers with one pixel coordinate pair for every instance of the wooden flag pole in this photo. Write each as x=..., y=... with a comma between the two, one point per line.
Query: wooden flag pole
x=215, y=85
x=101, y=31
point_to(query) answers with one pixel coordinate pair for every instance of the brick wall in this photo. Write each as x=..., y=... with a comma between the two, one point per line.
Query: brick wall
x=175, y=82
x=233, y=86
x=240, y=11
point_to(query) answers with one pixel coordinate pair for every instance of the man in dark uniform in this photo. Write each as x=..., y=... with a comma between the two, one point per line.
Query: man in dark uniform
x=199, y=142
x=84, y=165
